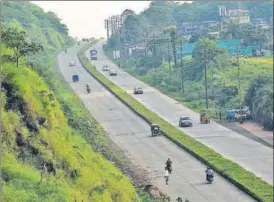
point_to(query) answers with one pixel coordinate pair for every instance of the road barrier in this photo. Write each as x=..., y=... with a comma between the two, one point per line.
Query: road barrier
x=237, y=175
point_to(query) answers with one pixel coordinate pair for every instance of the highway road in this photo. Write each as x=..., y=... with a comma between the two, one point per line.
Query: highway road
x=252, y=155
x=132, y=135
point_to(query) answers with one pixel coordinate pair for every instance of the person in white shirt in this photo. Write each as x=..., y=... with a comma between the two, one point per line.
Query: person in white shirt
x=166, y=175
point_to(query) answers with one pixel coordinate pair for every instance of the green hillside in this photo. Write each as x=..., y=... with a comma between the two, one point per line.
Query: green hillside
x=43, y=158
x=48, y=145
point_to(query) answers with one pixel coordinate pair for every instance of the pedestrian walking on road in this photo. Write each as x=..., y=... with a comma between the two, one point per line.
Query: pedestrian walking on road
x=166, y=175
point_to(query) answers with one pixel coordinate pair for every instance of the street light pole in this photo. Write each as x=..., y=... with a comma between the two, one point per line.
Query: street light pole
x=182, y=70
x=206, y=78
x=169, y=69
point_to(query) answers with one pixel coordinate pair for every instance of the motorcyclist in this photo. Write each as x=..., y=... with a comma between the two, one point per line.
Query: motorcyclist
x=169, y=165
x=209, y=173
x=88, y=88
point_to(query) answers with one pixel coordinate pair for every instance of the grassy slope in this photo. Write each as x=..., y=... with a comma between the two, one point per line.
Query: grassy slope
x=23, y=178
x=62, y=147
x=255, y=185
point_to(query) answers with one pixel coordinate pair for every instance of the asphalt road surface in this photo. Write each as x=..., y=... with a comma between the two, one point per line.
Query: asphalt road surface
x=132, y=135
x=250, y=154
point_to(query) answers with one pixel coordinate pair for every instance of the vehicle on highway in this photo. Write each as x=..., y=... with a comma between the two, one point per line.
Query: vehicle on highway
x=87, y=88
x=93, y=54
x=105, y=68
x=155, y=129
x=75, y=77
x=112, y=72
x=204, y=117
x=185, y=121
x=72, y=63
x=209, y=175
x=138, y=90
x=85, y=39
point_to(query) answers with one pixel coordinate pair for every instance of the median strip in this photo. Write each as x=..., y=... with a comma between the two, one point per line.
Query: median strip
x=243, y=179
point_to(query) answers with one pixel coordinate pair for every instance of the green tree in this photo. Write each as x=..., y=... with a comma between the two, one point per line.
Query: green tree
x=259, y=99
x=16, y=40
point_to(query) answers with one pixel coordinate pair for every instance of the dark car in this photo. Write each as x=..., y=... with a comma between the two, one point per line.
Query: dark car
x=185, y=122
x=138, y=90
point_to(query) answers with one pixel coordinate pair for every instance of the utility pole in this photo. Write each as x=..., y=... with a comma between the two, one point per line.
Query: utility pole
x=239, y=85
x=107, y=27
x=182, y=70
x=169, y=68
x=153, y=55
x=205, y=57
x=173, y=39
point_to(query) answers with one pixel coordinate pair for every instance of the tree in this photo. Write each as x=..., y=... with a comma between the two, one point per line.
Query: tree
x=16, y=40
x=259, y=99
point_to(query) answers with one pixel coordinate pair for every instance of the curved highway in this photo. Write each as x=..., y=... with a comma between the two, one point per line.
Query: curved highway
x=132, y=135
x=252, y=155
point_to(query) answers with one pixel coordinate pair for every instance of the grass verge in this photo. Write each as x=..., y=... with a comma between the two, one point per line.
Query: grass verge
x=245, y=180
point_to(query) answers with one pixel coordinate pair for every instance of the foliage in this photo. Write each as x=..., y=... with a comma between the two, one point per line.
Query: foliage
x=165, y=14
x=73, y=170
x=16, y=40
x=78, y=168
x=248, y=33
x=254, y=184
x=259, y=98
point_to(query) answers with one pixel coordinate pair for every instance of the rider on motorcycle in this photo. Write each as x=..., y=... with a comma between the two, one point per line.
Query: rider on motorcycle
x=209, y=173
x=88, y=88
x=169, y=165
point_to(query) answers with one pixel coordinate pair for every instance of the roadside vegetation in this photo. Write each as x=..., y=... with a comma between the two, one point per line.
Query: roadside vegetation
x=256, y=186
x=186, y=82
x=52, y=148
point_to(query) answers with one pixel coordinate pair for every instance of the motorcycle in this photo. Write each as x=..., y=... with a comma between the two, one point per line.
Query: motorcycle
x=209, y=178
x=169, y=168
x=209, y=175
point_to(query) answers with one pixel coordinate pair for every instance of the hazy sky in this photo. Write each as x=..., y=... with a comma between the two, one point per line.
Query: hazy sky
x=86, y=18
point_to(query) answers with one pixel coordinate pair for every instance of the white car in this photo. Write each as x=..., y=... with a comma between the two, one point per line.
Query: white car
x=113, y=72
x=72, y=63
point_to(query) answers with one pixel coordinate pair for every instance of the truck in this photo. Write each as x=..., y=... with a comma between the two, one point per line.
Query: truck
x=93, y=54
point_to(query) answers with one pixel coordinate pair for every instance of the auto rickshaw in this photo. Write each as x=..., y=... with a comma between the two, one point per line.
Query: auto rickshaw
x=205, y=117
x=155, y=129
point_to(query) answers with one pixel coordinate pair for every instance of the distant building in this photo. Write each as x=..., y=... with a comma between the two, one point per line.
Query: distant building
x=189, y=28
x=235, y=15
x=260, y=22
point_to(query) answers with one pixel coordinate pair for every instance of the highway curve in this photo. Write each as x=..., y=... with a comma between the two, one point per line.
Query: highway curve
x=251, y=155
x=132, y=135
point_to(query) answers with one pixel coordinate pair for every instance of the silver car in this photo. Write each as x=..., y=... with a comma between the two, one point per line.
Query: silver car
x=72, y=63
x=185, y=122
x=113, y=72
